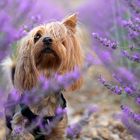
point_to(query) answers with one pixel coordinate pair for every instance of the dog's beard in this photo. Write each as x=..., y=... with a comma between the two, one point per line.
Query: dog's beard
x=47, y=58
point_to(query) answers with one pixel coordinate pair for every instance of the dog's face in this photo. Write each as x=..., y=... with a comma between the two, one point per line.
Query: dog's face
x=55, y=45
x=52, y=47
x=49, y=45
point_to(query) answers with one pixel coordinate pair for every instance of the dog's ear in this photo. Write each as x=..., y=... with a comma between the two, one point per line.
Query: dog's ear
x=70, y=22
x=25, y=72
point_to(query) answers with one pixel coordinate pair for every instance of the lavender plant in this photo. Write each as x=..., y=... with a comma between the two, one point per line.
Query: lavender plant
x=130, y=61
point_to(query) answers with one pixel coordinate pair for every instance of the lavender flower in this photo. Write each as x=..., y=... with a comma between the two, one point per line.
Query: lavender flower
x=134, y=5
x=135, y=117
x=126, y=75
x=134, y=26
x=105, y=42
x=138, y=100
x=134, y=57
x=131, y=121
x=131, y=127
x=128, y=90
x=74, y=130
x=115, y=89
x=47, y=129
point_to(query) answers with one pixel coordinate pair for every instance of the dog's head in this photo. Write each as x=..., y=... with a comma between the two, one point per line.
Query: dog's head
x=53, y=47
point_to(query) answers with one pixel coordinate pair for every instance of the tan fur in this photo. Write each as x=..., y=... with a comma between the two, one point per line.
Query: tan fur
x=31, y=63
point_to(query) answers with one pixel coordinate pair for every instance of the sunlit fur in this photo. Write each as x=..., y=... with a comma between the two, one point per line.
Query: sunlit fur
x=31, y=63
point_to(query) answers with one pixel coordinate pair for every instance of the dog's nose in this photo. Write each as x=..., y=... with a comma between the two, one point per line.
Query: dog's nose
x=47, y=41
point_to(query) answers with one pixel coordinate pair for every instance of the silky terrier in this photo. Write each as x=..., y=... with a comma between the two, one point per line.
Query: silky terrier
x=48, y=49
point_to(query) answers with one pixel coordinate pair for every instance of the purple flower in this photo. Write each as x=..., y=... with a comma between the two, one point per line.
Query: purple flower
x=91, y=109
x=138, y=100
x=134, y=5
x=128, y=90
x=125, y=75
x=74, y=130
x=131, y=121
x=117, y=90
x=60, y=111
x=106, y=55
x=18, y=130
x=134, y=57
x=114, y=89
x=133, y=128
x=104, y=41
x=132, y=26
x=130, y=114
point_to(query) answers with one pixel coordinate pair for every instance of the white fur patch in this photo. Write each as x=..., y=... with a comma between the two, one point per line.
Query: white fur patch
x=6, y=66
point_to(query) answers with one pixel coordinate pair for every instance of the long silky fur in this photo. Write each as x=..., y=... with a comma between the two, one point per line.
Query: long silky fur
x=25, y=73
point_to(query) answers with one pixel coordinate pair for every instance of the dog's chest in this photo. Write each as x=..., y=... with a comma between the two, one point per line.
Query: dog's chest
x=46, y=106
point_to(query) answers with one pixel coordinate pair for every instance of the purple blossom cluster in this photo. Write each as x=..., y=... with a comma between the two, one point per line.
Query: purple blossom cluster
x=134, y=5
x=115, y=89
x=133, y=26
x=105, y=42
x=74, y=130
x=9, y=26
x=132, y=127
x=134, y=116
x=129, y=118
x=131, y=121
x=130, y=90
x=135, y=57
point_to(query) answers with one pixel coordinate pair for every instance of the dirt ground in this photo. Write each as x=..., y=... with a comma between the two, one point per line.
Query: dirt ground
x=102, y=124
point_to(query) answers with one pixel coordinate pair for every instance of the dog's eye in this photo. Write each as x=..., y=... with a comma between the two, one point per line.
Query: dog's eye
x=64, y=43
x=37, y=37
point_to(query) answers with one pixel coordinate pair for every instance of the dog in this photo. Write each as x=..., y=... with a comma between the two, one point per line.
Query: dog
x=48, y=49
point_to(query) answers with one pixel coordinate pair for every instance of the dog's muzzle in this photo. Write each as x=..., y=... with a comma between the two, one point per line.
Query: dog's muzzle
x=47, y=41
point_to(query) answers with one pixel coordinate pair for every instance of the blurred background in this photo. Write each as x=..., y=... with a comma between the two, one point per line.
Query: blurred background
x=107, y=18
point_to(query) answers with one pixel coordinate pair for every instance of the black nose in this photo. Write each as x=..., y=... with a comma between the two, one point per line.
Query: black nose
x=47, y=41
